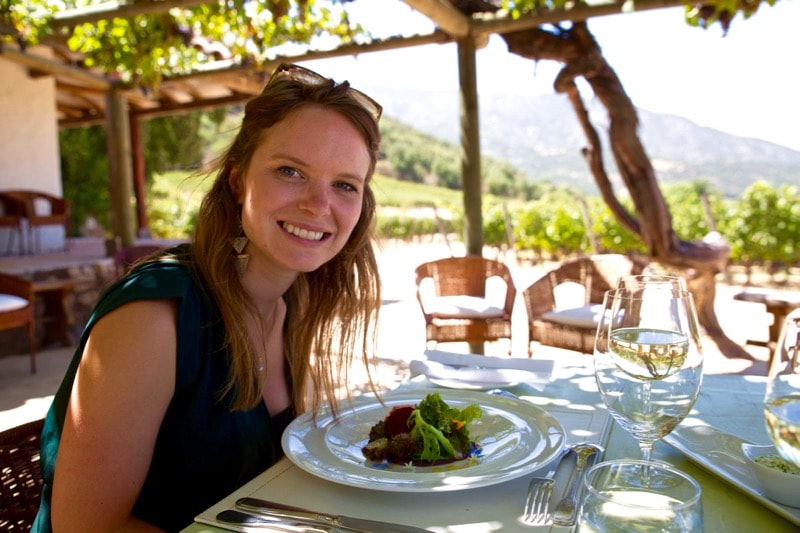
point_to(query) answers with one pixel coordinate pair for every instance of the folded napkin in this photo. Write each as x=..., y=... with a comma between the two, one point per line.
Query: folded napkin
x=475, y=371
x=488, y=361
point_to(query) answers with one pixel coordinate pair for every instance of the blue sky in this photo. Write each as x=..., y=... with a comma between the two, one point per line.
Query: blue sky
x=745, y=83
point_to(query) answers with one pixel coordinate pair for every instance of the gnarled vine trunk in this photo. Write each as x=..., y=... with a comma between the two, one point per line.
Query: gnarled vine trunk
x=581, y=56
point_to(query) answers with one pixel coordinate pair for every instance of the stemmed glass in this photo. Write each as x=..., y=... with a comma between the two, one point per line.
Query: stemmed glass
x=638, y=282
x=648, y=360
x=782, y=400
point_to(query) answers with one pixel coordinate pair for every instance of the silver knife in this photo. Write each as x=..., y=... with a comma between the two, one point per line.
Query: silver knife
x=242, y=521
x=273, y=509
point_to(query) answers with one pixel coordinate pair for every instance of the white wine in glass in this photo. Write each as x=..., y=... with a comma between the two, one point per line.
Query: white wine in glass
x=648, y=360
x=782, y=400
x=659, y=350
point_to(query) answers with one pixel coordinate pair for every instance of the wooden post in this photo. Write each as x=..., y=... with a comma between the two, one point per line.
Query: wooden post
x=139, y=185
x=470, y=154
x=120, y=167
x=470, y=147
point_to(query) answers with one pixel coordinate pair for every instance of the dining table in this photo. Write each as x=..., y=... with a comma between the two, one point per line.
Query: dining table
x=728, y=405
x=778, y=303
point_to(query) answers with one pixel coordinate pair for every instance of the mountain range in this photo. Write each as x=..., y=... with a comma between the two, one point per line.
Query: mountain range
x=540, y=136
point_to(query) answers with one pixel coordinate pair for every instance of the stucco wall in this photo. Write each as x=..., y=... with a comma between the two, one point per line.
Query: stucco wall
x=29, y=151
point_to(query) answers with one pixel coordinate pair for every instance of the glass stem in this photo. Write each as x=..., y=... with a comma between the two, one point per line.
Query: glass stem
x=647, y=450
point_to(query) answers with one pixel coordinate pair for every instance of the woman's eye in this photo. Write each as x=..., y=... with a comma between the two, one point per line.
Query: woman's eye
x=346, y=186
x=288, y=172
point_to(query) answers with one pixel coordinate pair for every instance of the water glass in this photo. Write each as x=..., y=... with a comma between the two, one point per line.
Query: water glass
x=782, y=400
x=620, y=497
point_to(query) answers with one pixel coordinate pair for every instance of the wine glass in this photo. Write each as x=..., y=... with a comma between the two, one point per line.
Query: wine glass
x=648, y=360
x=782, y=400
x=619, y=497
x=638, y=282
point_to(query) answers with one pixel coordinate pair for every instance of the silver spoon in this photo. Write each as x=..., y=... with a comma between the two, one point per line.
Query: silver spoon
x=564, y=515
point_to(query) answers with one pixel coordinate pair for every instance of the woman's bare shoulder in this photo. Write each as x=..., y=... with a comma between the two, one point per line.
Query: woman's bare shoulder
x=146, y=327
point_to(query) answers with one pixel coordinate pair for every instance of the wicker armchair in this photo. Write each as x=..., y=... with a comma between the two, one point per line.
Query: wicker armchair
x=461, y=299
x=17, y=309
x=572, y=325
x=20, y=476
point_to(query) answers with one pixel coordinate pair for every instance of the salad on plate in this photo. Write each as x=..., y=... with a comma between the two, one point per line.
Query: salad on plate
x=427, y=434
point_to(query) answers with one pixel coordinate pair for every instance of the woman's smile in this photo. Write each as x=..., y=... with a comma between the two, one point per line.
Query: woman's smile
x=303, y=233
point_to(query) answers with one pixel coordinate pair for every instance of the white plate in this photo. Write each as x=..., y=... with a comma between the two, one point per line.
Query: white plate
x=721, y=453
x=516, y=437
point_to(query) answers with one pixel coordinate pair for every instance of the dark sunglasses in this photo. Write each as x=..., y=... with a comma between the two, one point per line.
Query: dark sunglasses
x=312, y=79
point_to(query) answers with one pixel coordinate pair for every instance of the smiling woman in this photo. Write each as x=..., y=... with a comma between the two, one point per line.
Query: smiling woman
x=197, y=359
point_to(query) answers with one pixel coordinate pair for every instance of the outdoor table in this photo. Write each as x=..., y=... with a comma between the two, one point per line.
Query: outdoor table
x=779, y=304
x=572, y=397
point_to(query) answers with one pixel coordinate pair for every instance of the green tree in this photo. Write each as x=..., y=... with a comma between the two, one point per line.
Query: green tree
x=173, y=143
x=170, y=143
x=612, y=236
x=160, y=39
x=84, y=175
x=495, y=232
x=694, y=207
x=552, y=226
x=501, y=179
x=766, y=226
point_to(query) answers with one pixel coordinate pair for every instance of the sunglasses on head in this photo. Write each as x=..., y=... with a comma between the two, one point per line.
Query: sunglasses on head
x=312, y=79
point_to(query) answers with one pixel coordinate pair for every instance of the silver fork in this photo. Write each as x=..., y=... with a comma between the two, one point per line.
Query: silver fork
x=540, y=489
x=565, y=510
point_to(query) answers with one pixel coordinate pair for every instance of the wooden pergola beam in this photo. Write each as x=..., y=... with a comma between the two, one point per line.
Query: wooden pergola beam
x=575, y=13
x=115, y=9
x=444, y=15
x=56, y=68
x=393, y=43
x=449, y=20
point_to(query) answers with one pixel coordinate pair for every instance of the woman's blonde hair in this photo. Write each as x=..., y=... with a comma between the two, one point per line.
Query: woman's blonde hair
x=320, y=340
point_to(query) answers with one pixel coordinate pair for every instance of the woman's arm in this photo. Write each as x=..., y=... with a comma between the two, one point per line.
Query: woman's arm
x=124, y=384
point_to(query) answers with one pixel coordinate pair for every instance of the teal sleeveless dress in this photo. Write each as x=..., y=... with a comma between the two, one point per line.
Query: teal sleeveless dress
x=204, y=451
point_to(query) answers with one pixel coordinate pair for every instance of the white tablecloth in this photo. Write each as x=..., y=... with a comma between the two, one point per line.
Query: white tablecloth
x=731, y=403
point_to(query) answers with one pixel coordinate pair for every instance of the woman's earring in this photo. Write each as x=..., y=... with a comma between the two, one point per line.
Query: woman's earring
x=240, y=260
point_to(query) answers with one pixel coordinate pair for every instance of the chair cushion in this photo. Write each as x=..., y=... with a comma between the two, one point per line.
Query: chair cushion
x=42, y=207
x=586, y=316
x=463, y=307
x=9, y=302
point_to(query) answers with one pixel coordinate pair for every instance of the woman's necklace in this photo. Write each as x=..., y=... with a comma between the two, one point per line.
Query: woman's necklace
x=262, y=335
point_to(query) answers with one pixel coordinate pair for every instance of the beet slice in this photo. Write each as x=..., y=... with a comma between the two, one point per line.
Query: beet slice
x=397, y=421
